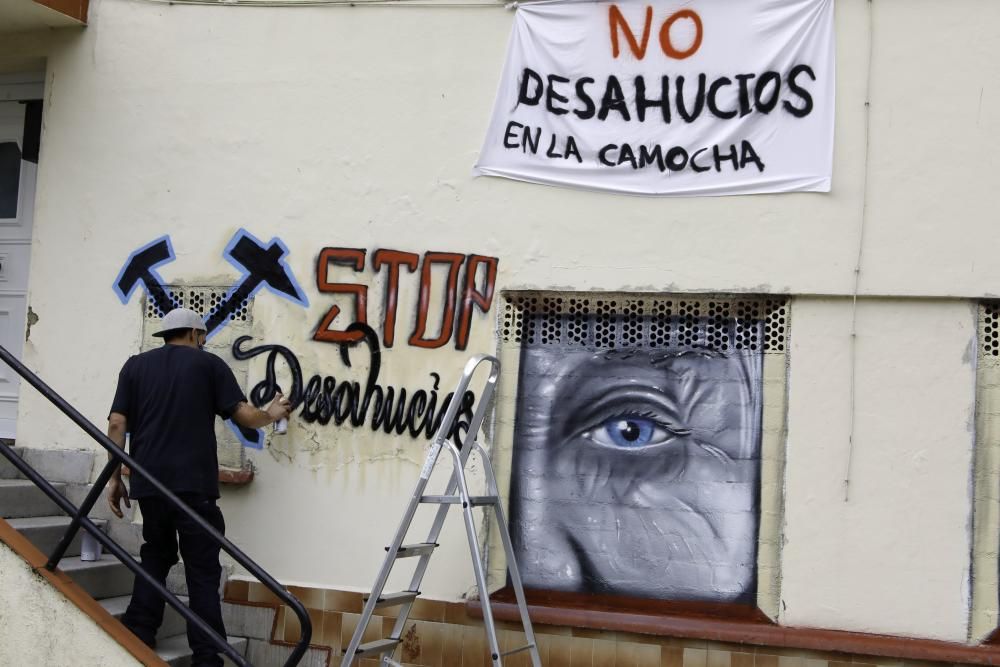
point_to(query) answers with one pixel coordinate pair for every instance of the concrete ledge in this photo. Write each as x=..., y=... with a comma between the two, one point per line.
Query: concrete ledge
x=578, y=611
x=235, y=477
x=75, y=594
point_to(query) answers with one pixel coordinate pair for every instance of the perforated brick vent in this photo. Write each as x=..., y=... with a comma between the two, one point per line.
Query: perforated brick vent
x=201, y=300
x=600, y=320
x=989, y=328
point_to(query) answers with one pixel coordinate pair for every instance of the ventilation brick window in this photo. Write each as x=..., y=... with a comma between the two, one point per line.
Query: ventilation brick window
x=989, y=334
x=722, y=324
x=202, y=300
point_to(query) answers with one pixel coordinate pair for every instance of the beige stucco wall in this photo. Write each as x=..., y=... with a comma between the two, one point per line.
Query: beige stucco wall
x=359, y=126
x=39, y=626
x=893, y=556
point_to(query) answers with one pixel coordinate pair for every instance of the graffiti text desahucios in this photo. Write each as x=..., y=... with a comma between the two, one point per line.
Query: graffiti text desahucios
x=323, y=399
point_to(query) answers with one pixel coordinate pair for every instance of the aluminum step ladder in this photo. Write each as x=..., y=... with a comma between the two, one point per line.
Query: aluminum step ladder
x=456, y=493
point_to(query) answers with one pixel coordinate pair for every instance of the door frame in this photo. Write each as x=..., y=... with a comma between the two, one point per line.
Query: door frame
x=17, y=88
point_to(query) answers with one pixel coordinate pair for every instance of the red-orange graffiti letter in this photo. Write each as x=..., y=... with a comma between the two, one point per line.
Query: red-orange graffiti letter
x=471, y=296
x=352, y=257
x=393, y=259
x=448, y=320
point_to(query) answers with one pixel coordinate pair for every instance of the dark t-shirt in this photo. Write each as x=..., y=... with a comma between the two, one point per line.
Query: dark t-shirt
x=170, y=397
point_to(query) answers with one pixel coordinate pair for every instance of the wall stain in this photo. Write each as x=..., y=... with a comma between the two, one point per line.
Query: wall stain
x=411, y=645
x=32, y=321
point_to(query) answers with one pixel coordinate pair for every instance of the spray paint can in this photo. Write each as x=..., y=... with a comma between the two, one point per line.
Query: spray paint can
x=280, y=426
x=90, y=548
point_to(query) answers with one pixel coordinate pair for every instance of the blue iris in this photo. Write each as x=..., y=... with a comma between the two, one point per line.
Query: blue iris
x=629, y=431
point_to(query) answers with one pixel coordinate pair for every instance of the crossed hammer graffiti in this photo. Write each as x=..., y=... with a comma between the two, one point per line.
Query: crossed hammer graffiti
x=262, y=265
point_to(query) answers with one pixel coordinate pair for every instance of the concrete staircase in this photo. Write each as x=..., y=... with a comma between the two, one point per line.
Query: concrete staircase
x=109, y=582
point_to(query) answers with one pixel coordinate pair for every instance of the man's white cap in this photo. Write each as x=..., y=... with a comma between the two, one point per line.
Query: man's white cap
x=180, y=318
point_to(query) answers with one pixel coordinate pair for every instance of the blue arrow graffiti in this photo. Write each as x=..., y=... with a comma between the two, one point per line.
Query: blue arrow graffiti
x=139, y=268
x=262, y=265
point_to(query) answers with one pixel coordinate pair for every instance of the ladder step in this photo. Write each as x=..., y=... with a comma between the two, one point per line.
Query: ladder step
x=393, y=599
x=409, y=550
x=517, y=650
x=377, y=647
x=457, y=500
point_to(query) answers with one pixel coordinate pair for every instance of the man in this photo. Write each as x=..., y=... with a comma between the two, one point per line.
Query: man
x=167, y=399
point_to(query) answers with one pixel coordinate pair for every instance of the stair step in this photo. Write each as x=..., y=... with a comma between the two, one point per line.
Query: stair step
x=175, y=650
x=394, y=599
x=104, y=578
x=377, y=647
x=173, y=622
x=21, y=498
x=457, y=500
x=56, y=465
x=46, y=531
x=7, y=469
x=410, y=550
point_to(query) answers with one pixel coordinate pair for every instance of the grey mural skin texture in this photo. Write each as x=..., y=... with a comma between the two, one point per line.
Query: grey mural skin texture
x=637, y=471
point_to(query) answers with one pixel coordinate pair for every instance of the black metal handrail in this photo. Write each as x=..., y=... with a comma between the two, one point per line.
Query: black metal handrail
x=80, y=519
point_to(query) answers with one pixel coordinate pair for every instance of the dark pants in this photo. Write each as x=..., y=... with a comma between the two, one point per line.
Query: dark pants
x=162, y=526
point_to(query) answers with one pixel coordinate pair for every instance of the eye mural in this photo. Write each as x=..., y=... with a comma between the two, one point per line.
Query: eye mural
x=637, y=448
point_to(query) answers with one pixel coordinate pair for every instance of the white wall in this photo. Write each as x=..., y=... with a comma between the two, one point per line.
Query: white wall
x=359, y=126
x=41, y=627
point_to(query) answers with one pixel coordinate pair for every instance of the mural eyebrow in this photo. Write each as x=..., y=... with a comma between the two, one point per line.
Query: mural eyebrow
x=664, y=358
x=660, y=358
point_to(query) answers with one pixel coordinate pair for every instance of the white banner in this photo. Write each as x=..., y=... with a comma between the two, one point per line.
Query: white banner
x=669, y=97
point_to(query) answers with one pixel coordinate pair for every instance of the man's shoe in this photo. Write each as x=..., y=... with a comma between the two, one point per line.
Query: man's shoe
x=147, y=639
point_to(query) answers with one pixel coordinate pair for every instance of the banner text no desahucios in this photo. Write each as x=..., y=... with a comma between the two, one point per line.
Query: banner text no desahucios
x=706, y=97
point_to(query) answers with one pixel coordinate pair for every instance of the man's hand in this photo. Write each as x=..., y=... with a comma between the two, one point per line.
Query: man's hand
x=117, y=427
x=279, y=408
x=248, y=416
x=117, y=492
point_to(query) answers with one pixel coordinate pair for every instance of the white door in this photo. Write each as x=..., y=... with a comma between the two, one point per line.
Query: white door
x=20, y=126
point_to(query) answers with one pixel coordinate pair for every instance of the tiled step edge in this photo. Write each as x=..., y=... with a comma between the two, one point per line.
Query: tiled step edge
x=174, y=651
x=75, y=594
x=260, y=652
x=257, y=622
